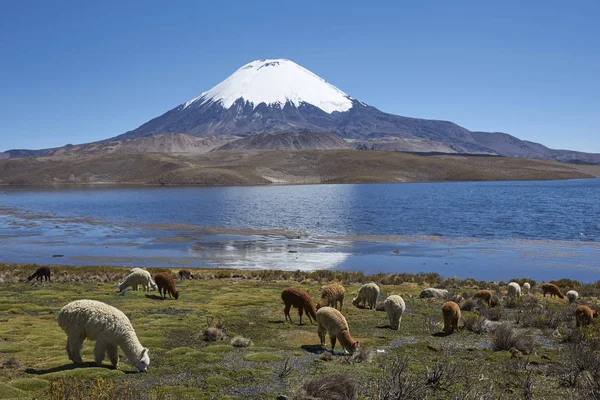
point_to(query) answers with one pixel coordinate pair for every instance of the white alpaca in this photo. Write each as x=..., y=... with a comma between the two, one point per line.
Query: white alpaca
x=138, y=276
x=109, y=327
x=394, y=307
x=368, y=293
x=526, y=288
x=572, y=296
x=514, y=289
x=433, y=292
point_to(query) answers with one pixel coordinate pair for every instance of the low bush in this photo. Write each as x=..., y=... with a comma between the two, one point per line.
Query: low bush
x=506, y=338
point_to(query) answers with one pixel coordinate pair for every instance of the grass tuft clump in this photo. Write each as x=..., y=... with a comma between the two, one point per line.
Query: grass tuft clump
x=240, y=341
x=506, y=338
x=329, y=387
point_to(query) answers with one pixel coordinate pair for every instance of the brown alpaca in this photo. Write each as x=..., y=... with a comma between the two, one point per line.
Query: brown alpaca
x=330, y=320
x=185, y=274
x=451, y=314
x=552, y=289
x=331, y=295
x=485, y=295
x=299, y=299
x=166, y=284
x=584, y=315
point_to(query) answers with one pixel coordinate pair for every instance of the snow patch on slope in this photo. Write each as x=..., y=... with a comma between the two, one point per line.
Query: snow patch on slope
x=276, y=82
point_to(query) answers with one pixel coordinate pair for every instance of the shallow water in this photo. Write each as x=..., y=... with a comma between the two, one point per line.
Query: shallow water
x=488, y=230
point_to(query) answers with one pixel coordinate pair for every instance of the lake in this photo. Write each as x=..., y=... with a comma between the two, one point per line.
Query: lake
x=488, y=230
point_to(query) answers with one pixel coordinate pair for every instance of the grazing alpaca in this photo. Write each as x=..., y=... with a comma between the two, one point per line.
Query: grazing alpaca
x=136, y=277
x=433, y=293
x=485, y=295
x=331, y=321
x=552, y=289
x=42, y=273
x=451, y=314
x=299, y=299
x=514, y=290
x=331, y=295
x=368, y=293
x=394, y=307
x=572, y=295
x=185, y=274
x=108, y=326
x=584, y=315
x=166, y=284
x=526, y=288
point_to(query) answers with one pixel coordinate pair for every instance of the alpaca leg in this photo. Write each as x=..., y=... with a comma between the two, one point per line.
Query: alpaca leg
x=307, y=311
x=398, y=319
x=75, y=344
x=99, y=351
x=332, y=338
x=112, y=350
x=286, y=312
x=300, y=311
x=391, y=318
x=321, y=333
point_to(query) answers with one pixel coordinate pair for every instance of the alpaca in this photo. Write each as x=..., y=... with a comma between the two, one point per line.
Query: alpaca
x=433, y=293
x=42, y=273
x=584, y=315
x=166, y=284
x=368, y=293
x=299, y=299
x=185, y=274
x=330, y=320
x=572, y=295
x=331, y=295
x=552, y=289
x=108, y=326
x=526, y=288
x=394, y=307
x=514, y=290
x=138, y=276
x=451, y=314
x=485, y=295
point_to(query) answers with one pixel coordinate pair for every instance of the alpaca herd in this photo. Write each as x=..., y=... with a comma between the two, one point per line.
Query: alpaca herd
x=111, y=329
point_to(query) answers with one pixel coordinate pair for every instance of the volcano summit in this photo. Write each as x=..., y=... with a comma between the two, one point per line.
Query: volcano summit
x=278, y=95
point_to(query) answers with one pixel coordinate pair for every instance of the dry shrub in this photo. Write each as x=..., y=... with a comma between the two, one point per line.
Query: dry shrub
x=326, y=356
x=240, y=341
x=329, y=387
x=505, y=338
x=69, y=388
x=474, y=323
x=365, y=355
x=397, y=383
x=543, y=318
x=213, y=334
x=469, y=305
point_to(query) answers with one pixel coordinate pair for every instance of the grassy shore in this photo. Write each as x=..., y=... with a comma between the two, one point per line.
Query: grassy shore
x=415, y=362
x=280, y=167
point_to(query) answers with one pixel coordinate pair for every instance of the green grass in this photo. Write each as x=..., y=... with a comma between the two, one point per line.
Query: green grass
x=32, y=346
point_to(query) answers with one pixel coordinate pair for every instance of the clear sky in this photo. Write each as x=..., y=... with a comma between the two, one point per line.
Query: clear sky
x=80, y=71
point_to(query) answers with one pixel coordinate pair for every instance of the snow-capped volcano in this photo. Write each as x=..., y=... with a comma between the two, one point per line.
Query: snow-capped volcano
x=275, y=83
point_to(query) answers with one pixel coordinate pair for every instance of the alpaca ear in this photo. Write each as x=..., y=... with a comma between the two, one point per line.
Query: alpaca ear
x=144, y=352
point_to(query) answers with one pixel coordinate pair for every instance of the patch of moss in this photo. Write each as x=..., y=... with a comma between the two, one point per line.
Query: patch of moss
x=263, y=357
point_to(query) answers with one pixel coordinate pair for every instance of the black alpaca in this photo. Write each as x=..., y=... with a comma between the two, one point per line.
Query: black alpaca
x=41, y=273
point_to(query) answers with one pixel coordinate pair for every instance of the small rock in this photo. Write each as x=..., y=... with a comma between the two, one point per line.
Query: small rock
x=546, y=357
x=282, y=398
x=433, y=348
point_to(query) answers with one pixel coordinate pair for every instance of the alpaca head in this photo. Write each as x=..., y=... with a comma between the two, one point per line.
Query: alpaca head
x=142, y=364
x=355, y=345
x=595, y=315
x=176, y=295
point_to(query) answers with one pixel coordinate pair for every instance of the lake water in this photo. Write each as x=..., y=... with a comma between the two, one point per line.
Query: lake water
x=489, y=230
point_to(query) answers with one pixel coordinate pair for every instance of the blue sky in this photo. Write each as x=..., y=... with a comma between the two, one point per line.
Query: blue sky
x=79, y=71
